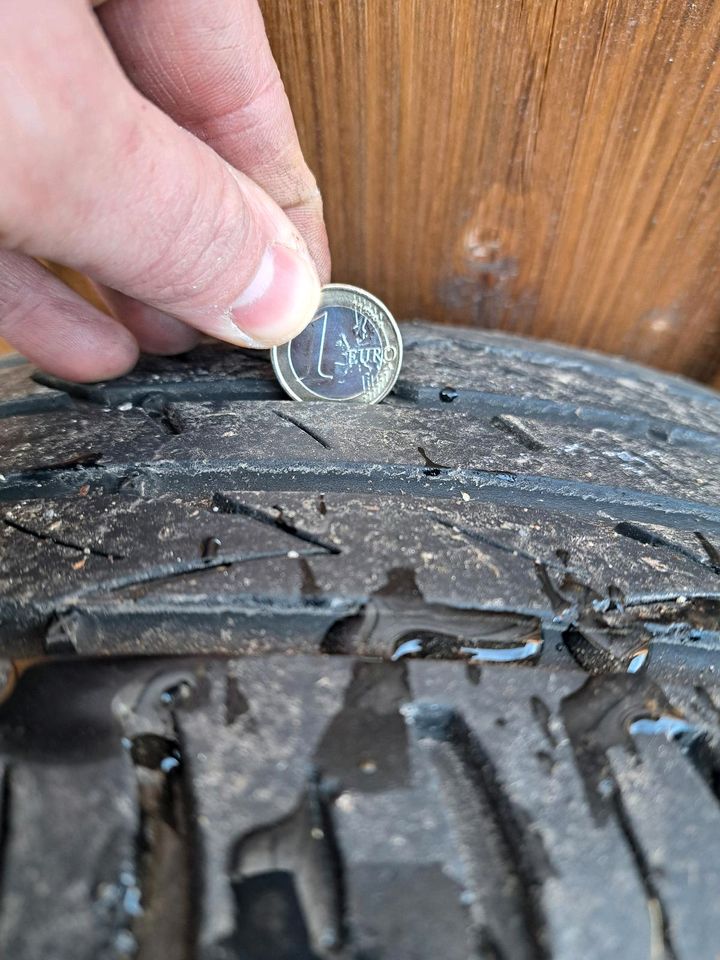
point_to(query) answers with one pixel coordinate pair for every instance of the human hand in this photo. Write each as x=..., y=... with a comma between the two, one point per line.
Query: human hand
x=150, y=145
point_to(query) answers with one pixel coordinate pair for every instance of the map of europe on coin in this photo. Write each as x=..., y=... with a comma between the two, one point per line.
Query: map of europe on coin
x=351, y=350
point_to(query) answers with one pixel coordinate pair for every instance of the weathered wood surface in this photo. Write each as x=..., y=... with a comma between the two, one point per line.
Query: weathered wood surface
x=547, y=168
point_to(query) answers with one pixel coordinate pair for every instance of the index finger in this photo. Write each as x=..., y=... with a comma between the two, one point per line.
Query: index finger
x=208, y=65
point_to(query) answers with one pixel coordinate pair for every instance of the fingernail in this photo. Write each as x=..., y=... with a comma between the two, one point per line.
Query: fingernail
x=280, y=300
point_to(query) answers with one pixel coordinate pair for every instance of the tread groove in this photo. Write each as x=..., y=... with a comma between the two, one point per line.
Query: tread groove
x=27, y=406
x=541, y=713
x=304, y=846
x=474, y=536
x=227, y=504
x=162, y=923
x=162, y=413
x=556, y=412
x=655, y=903
x=293, y=421
x=582, y=499
x=463, y=763
x=647, y=537
x=710, y=549
x=173, y=570
x=59, y=541
x=200, y=389
x=5, y=813
x=590, y=656
x=513, y=428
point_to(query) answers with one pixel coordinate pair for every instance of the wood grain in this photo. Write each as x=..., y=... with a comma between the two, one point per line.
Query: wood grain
x=548, y=168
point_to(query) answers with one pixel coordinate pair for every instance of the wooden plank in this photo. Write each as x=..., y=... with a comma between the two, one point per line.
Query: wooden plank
x=547, y=168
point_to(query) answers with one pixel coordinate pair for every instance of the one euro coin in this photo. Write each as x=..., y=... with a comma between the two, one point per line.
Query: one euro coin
x=350, y=350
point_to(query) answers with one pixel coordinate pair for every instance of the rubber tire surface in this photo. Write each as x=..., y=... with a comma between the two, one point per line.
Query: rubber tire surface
x=430, y=679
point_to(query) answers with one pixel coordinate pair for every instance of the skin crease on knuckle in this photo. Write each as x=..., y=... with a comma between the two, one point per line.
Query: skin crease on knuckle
x=47, y=101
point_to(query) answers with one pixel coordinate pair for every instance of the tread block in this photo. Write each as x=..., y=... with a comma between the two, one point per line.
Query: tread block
x=558, y=381
x=447, y=439
x=474, y=710
x=539, y=796
x=251, y=769
x=679, y=840
x=343, y=807
x=282, y=571
x=441, y=453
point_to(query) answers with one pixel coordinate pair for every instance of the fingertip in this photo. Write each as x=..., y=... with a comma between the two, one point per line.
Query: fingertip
x=155, y=331
x=89, y=352
x=55, y=328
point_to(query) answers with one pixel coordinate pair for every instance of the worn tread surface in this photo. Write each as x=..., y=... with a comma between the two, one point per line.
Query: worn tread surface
x=443, y=676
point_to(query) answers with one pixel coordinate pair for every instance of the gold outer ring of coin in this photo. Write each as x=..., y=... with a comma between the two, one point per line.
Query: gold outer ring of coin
x=387, y=317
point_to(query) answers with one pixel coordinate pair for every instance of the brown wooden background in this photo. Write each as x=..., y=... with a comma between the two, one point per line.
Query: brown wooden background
x=548, y=167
